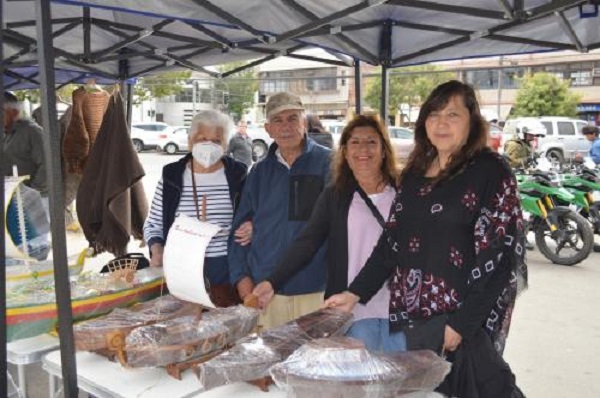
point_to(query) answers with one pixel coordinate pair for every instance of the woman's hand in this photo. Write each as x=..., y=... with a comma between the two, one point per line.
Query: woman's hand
x=343, y=301
x=452, y=339
x=156, y=258
x=244, y=287
x=243, y=235
x=264, y=291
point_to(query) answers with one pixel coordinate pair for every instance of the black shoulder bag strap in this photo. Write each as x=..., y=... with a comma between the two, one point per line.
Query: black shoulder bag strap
x=376, y=214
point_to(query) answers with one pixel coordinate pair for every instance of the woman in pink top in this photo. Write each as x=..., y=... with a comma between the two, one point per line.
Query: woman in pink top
x=349, y=214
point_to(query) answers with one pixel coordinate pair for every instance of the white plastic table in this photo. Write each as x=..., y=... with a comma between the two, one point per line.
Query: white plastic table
x=102, y=378
x=28, y=351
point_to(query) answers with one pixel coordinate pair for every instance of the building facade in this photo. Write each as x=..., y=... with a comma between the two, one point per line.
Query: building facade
x=497, y=79
x=324, y=89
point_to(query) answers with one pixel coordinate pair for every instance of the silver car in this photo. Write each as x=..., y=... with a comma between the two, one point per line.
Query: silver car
x=174, y=141
x=561, y=138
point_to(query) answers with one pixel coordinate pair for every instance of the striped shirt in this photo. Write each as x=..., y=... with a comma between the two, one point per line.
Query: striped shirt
x=219, y=209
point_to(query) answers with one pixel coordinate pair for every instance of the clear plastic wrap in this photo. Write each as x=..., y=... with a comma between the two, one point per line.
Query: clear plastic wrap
x=239, y=321
x=176, y=340
x=109, y=331
x=252, y=357
x=342, y=367
x=186, y=338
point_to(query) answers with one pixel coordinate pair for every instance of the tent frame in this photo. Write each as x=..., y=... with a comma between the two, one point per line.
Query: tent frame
x=133, y=44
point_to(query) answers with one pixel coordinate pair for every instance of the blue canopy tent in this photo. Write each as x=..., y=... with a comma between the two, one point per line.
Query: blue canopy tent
x=121, y=39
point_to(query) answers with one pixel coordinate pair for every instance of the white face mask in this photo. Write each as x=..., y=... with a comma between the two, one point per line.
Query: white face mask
x=207, y=153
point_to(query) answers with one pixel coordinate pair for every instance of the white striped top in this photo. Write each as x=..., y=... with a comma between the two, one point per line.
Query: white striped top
x=218, y=208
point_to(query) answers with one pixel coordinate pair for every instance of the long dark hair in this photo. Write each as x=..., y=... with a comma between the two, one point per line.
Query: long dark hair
x=343, y=177
x=424, y=152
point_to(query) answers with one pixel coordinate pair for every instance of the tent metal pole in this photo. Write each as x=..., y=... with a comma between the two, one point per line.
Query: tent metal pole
x=341, y=36
x=385, y=57
x=123, y=74
x=55, y=185
x=129, y=103
x=317, y=59
x=357, y=88
x=3, y=361
x=385, y=97
x=126, y=91
x=28, y=49
x=87, y=30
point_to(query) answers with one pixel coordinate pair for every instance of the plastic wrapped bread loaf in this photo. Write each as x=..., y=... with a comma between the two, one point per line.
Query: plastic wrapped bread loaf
x=187, y=338
x=239, y=321
x=176, y=340
x=342, y=367
x=252, y=357
x=109, y=331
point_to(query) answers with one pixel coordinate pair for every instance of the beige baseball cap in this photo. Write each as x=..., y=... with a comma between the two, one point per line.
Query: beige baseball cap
x=283, y=101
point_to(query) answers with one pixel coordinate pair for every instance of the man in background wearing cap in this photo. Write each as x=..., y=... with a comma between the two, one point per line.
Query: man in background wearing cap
x=23, y=146
x=278, y=197
x=591, y=134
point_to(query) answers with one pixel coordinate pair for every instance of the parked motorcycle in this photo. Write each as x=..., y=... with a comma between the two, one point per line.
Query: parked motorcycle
x=561, y=234
x=584, y=182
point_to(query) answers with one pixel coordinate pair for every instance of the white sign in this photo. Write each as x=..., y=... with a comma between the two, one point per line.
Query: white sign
x=183, y=259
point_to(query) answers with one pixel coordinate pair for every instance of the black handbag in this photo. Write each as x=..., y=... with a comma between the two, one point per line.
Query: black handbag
x=479, y=371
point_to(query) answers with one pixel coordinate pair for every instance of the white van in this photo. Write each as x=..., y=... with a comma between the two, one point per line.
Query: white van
x=563, y=139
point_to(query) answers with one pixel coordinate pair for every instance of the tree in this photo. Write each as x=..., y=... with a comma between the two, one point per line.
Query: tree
x=239, y=88
x=65, y=93
x=411, y=88
x=160, y=85
x=545, y=94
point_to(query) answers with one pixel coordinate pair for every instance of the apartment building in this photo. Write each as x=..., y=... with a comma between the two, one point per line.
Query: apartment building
x=325, y=89
x=497, y=78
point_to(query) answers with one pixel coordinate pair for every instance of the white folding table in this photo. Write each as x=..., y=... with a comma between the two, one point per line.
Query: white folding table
x=102, y=378
x=28, y=351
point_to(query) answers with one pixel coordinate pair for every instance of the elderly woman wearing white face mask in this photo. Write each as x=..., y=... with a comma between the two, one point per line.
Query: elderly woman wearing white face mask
x=203, y=181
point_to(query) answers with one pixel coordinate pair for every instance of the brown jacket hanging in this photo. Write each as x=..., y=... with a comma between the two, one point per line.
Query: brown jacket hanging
x=111, y=202
x=88, y=111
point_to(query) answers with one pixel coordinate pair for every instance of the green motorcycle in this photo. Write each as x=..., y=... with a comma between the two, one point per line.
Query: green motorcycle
x=584, y=183
x=561, y=235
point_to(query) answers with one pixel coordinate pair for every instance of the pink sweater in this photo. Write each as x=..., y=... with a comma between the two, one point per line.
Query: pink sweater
x=363, y=233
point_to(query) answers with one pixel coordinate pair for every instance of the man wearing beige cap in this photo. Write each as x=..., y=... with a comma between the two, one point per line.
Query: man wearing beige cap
x=278, y=197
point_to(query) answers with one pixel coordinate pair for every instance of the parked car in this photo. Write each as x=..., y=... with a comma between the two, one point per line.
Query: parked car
x=562, y=140
x=175, y=140
x=261, y=140
x=335, y=127
x=147, y=135
x=403, y=140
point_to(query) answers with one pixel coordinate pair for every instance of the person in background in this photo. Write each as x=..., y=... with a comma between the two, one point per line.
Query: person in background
x=23, y=147
x=240, y=145
x=317, y=132
x=364, y=161
x=279, y=197
x=518, y=149
x=453, y=254
x=206, y=171
x=591, y=134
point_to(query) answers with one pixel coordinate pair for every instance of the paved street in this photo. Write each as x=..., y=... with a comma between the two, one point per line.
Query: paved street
x=554, y=344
